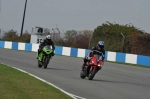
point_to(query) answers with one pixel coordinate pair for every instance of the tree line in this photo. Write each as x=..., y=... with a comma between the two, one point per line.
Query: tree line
x=136, y=41
x=118, y=38
x=12, y=35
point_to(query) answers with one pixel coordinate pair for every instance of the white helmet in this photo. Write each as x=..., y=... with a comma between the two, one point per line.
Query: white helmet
x=48, y=37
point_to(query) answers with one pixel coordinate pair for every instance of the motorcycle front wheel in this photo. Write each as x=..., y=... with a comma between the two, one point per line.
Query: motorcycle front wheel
x=46, y=60
x=92, y=74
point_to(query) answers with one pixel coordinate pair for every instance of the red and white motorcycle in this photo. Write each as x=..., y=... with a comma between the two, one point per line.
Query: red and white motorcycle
x=92, y=67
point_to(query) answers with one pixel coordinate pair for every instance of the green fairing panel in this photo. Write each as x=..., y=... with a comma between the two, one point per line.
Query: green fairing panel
x=49, y=51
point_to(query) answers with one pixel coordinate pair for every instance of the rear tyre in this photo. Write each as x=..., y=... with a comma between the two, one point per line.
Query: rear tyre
x=92, y=74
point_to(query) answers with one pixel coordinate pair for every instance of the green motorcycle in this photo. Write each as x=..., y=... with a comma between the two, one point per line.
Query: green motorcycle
x=45, y=56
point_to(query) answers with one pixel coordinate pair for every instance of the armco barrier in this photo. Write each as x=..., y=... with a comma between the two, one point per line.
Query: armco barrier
x=77, y=52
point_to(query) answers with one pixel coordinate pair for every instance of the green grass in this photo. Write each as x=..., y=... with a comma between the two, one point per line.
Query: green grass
x=15, y=84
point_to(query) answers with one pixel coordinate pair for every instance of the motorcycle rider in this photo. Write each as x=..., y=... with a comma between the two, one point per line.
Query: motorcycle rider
x=45, y=42
x=100, y=48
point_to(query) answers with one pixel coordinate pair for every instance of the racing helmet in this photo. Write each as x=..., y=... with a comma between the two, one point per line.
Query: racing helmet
x=48, y=38
x=100, y=44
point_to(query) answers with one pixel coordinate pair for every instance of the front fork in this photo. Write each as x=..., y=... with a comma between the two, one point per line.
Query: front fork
x=92, y=67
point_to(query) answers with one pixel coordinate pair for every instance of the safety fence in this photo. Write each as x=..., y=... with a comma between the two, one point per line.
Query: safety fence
x=77, y=52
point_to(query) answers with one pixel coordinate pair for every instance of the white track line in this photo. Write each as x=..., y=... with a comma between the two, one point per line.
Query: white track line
x=71, y=95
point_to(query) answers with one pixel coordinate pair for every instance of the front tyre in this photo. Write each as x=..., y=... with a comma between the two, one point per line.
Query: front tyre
x=46, y=61
x=49, y=57
x=92, y=74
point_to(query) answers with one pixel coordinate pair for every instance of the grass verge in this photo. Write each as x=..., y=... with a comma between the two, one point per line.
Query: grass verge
x=15, y=84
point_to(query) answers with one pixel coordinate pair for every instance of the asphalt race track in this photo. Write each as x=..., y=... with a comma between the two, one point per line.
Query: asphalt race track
x=114, y=81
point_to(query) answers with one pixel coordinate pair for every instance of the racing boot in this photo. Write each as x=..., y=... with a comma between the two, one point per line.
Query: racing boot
x=38, y=52
x=82, y=67
x=37, y=56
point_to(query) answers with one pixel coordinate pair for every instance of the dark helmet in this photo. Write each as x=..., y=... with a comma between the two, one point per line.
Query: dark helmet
x=101, y=44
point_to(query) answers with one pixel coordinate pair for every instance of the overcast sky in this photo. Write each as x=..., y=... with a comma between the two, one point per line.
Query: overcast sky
x=74, y=14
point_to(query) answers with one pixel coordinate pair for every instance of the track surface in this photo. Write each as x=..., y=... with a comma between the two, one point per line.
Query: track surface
x=114, y=81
